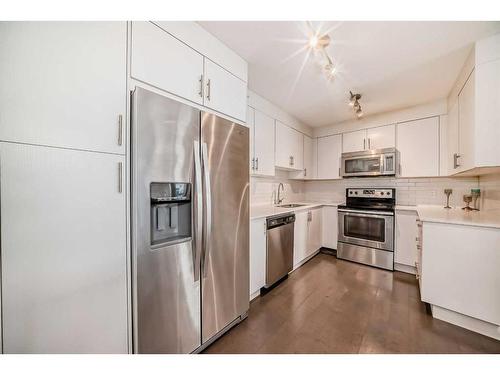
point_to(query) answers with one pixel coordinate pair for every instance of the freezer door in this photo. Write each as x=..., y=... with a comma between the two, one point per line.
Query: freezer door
x=166, y=278
x=225, y=268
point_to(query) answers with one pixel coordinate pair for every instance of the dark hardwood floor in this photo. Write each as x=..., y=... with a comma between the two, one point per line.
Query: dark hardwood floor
x=335, y=306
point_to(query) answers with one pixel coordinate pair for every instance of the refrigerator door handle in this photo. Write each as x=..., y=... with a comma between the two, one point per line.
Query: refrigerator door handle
x=208, y=208
x=198, y=212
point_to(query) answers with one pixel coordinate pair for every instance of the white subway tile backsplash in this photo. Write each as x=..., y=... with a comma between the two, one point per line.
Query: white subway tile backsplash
x=409, y=191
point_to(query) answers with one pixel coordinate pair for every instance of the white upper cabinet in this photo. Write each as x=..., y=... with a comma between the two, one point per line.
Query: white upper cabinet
x=466, y=125
x=418, y=144
x=289, y=147
x=329, y=154
x=64, y=84
x=64, y=252
x=165, y=62
x=474, y=122
x=310, y=158
x=354, y=141
x=452, y=140
x=263, y=143
x=381, y=137
x=224, y=92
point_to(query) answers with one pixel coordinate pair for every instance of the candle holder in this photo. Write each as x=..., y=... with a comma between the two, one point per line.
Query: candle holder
x=448, y=193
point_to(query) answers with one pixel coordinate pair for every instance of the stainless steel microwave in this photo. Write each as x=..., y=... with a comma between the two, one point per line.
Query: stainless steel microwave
x=368, y=163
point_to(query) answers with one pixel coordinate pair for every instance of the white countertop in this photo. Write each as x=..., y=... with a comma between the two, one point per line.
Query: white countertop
x=260, y=211
x=439, y=214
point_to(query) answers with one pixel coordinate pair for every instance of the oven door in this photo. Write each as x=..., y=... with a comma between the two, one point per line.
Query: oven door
x=365, y=165
x=365, y=228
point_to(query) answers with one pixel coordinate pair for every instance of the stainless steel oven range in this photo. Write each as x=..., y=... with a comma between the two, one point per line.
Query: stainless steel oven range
x=366, y=227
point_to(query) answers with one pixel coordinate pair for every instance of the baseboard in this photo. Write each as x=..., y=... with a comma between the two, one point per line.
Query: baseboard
x=254, y=295
x=304, y=261
x=404, y=268
x=467, y=322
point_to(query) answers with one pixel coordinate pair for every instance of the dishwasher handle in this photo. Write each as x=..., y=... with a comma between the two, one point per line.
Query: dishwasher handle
x=275, y=222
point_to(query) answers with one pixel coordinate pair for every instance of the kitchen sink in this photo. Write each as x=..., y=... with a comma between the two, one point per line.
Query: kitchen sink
x=291, y=205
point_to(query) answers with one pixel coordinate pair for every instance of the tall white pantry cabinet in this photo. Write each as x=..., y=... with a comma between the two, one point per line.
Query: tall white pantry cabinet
x=64, y=258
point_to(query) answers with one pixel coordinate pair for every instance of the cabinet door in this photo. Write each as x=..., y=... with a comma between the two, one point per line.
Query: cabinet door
x=300, y=238
x=314, y=239
x=257, y=255
x=406, y=238
x=165, y=62
x=288, y=146
x=329, y=154
x=466, y=125
x=64, y=254
x=452, y=139
x=381, y=137
x=264, y=144
x=250, y=123
x=224, y=92
x=64, y=84
x=330, y=227
x=418, y=144
x=354, y=141
x=310, y=157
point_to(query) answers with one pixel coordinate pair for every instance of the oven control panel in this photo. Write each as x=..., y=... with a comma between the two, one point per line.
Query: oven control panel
x=370, y=193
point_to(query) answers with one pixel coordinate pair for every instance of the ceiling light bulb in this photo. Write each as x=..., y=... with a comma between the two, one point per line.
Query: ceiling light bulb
x=313, y=41
x=359, y=112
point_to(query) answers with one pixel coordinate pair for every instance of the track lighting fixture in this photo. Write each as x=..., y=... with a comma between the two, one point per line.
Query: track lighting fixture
x=354, y=102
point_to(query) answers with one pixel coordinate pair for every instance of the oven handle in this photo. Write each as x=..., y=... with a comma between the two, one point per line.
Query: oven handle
x=366, y=213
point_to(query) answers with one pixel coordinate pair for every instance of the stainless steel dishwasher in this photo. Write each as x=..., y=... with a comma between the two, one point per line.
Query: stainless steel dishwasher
x=279, y=258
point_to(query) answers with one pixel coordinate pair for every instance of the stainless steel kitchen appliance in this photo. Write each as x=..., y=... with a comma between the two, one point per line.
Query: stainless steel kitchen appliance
x=370, y=163
x=190, y=225
x=279, y=253
x=366, y=227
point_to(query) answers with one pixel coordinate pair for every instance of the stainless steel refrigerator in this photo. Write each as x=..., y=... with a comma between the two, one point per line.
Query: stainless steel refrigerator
x=190, y=225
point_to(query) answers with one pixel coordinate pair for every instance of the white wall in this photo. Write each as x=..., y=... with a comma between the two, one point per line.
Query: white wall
x=262, y=188
x=258, y=102
x=435, y=108
x=490, y=191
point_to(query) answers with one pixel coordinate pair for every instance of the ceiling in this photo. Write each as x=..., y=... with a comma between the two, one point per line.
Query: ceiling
x=392, y=64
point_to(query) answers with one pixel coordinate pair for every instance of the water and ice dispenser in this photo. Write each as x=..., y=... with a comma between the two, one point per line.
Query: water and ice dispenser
x=170, y=212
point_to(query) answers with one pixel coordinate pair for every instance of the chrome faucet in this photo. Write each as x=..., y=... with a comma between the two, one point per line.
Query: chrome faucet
x=278, y=197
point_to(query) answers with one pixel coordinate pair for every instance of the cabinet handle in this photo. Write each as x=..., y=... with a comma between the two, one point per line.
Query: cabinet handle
x=455, y=160
x=257, y=163
x=293, y=161
x=200, y=92
x=120, y=130
x=369, y=144
x=265, y=228
x=253, y=164
x=208, y=89
x=120, y=177
x=364, y=143
x=305, y=172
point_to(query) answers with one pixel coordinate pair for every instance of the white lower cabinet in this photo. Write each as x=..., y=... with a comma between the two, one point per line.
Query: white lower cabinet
x=307, y=234
x=460, y=266
x=64, y=253
x=330, y=227
x=406, y=238
x=258, y=247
